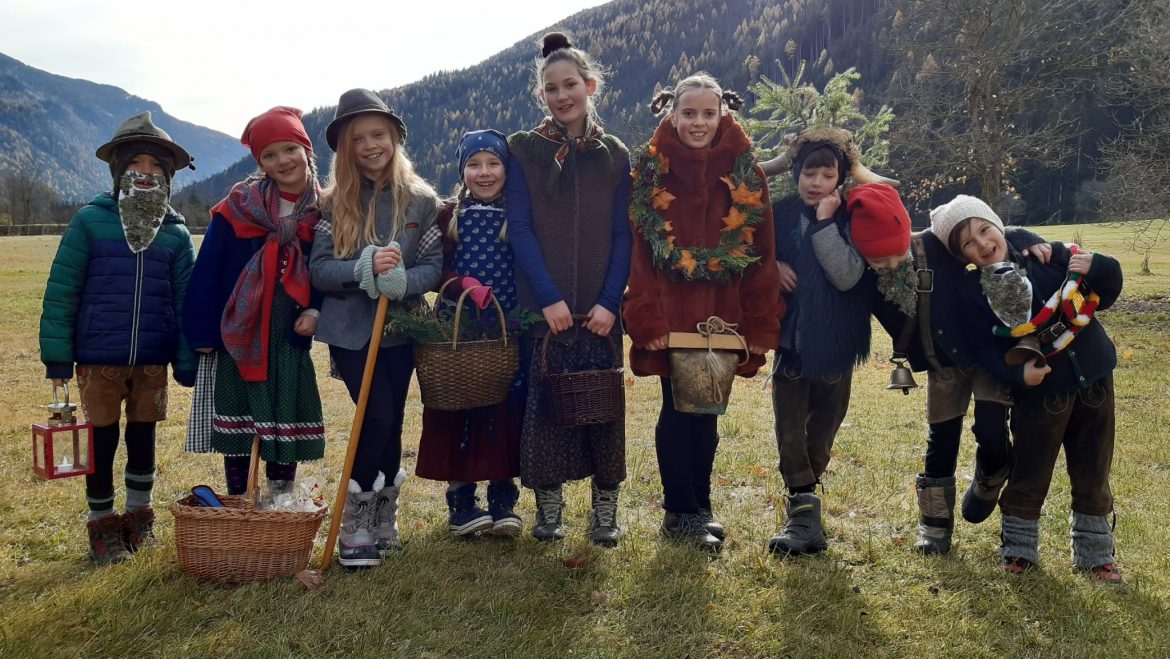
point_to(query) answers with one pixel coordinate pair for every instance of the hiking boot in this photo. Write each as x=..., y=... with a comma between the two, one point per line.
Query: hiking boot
x=549, y=507
x=502, y=497
x=714, y=527
x=465, y=519
x=106, y=542
x=386, y=515
x=603, y=526
x=689, y=528
x=983, y=493
x=137, y=527
x=1107, y=573
x=803, y=532
x=936, y=520
x=1016, y=565
x=356, y=545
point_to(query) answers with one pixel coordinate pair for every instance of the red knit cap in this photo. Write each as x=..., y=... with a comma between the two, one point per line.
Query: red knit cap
x=280, y=124
x=879, y=223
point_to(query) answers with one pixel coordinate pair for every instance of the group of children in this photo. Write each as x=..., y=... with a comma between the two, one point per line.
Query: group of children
x=560, y=220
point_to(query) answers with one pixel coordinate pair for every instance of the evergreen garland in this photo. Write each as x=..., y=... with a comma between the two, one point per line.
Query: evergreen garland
x=736, y=249
x=421, y=325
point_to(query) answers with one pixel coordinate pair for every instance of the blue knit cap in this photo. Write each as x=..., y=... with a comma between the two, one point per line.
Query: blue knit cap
x=472, y=142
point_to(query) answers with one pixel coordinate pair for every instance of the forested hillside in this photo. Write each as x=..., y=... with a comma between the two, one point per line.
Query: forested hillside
x=50, y=126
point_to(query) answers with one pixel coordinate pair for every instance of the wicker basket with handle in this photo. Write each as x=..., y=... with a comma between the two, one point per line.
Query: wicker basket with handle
x=239, y=543
x=580, y=398
x=462, y=375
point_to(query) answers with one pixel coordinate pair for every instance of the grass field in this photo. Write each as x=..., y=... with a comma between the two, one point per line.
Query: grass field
x=868, y=595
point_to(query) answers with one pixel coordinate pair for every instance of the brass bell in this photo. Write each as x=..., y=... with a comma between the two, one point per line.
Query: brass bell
x=901, y=377
x=1026, y=350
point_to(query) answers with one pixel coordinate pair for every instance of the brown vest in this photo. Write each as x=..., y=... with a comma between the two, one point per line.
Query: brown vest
x=571, y=216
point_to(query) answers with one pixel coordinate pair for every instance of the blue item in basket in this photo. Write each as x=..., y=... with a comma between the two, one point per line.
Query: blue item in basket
x=206, y=496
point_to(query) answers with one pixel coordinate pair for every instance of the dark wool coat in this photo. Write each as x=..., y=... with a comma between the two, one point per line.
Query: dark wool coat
x=1090, y=357
x=829, y=328
x=657, y=303
x=107, y=305
x=947, y=321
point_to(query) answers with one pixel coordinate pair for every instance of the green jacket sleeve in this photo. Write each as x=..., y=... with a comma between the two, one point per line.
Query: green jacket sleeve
x=62, y=294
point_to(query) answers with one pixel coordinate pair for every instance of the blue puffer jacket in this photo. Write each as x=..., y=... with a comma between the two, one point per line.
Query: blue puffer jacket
x=105, y=305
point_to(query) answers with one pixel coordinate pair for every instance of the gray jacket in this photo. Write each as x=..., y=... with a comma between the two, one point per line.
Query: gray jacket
x=347, y=313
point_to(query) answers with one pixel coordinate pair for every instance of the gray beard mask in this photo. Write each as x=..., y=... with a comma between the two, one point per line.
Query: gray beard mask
x=899, y=286
x=1008, y=291
x=142, y=209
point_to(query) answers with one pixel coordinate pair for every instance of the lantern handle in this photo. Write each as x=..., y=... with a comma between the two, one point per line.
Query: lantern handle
x=63, y=385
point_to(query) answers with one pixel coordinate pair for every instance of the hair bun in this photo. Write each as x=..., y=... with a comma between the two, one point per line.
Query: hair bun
x=733, y=101
x=660, y=102
x=554, y=41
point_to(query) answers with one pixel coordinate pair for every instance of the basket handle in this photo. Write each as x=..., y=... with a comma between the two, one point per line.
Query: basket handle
x=459, y=309
x=577, y=316
x=253, y=471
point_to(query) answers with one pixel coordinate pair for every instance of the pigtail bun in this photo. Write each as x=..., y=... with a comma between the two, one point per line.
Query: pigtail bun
x=661, y=101
x=733, y=101
x=554, y=41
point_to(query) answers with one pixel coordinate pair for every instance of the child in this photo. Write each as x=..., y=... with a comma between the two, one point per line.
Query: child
x=1064, y=398
x=481, y=444
x=826, y=331
x=253, y=313
x=917, y=279
x=378, y=238
x=112, y=306
x=699, y=151
x=567, y=196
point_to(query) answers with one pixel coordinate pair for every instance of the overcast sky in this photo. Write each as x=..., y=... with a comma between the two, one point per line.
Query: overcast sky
x=218, y=62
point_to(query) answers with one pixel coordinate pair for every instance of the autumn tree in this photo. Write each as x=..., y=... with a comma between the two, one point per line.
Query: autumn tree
x=27, y=198
x=1137, y=185
x=985, y=86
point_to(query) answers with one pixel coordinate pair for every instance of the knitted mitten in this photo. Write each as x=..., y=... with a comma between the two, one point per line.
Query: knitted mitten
x=392, y=283
x=1092, y=540
x=363, y=271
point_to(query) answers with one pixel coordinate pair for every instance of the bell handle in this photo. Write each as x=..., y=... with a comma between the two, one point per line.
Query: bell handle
x=63, y=385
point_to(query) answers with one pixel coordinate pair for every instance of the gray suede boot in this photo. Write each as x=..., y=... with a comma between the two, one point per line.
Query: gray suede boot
x=603, y=525
x=803, y=532
x=549, y=507
x=1019, y=544
x=356, y=546
x=936, y=508
x=386, y=515
x=1092, y=546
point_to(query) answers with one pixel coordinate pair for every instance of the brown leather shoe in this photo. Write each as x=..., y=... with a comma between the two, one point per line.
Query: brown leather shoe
x=138, y=527
x=106, y=545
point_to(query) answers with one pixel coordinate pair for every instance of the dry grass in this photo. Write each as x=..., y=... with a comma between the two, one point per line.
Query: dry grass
x=868, y=595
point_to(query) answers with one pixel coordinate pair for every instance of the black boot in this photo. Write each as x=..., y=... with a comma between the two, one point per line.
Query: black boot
x=983, y=493
x=936, y=507
x=688, y=528
x=803, y=532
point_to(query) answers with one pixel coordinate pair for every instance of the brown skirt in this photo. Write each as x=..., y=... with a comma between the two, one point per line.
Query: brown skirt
x=552, y=454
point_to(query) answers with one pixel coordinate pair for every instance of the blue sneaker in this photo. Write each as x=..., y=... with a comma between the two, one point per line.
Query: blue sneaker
x=465, y=518
x=502, y=497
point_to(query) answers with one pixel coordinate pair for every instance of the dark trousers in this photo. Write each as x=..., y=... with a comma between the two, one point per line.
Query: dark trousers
x=991, y=438
x=1081, y=421
x=99, y=486
x=380, y=445
x=685, y=444
x=808, y=411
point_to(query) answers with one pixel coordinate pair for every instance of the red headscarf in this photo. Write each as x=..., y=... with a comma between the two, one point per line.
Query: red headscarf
x=280, y=124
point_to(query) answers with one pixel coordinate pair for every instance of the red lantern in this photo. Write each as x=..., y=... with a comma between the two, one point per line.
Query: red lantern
x=62, y=446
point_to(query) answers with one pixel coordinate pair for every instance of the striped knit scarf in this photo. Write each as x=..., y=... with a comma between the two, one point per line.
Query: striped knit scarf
x=253, y=210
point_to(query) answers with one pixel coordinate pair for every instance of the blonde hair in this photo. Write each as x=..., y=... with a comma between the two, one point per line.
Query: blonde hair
x=702, y=81
x=462, y=193
x=353, y=225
